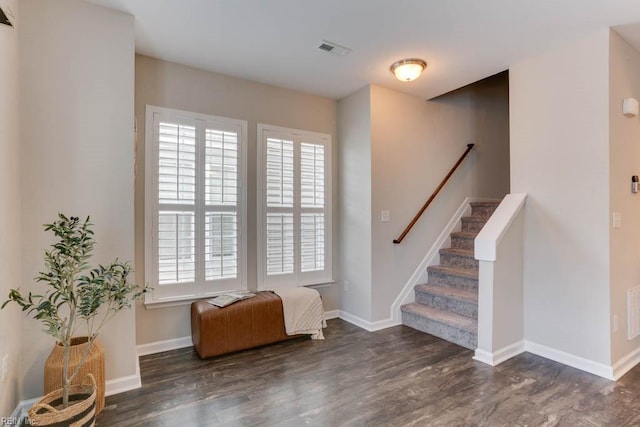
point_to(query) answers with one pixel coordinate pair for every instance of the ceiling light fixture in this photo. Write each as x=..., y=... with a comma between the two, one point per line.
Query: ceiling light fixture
x=408, y=69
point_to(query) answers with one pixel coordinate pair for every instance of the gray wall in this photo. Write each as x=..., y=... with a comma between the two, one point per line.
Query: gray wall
x=76, y=89
x=176, y=86
x=354, y=133
x=624, y=151
x=10, y=239
x=559, y=114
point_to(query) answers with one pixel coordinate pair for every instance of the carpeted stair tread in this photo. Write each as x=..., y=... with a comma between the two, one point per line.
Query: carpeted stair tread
x=456, y=293
x=486, y=203
x=440, y=316
x=464, y=234
x=474, y=218
x=457, y=251
x=467, y=273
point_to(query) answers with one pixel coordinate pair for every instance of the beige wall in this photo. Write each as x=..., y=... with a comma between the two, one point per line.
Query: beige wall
x=559, y=119
x=76, y=89
x=624, y=161
x=10, y=317
x=414, y=145
x=176, y=86
x=354, y=133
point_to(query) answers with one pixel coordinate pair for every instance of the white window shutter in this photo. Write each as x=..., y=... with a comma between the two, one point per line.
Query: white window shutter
x=194, y=203
x=295, y=193
x=177, y=164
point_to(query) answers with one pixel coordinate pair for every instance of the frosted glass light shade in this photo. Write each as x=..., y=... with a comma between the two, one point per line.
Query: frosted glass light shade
x=409, y=69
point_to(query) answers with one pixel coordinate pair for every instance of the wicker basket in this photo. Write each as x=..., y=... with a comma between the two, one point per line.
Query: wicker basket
x=93, y=364
x=81, y=411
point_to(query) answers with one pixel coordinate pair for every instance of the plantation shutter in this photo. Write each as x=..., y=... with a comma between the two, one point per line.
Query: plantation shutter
x=177, y=196
x=295, y=240
x=312, y=204
x=195, y=183
x=280, y=239
x=221, y=195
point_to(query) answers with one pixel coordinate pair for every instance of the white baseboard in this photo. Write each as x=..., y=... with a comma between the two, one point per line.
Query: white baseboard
x=497, y=357
x=166, y=345
x=332, y=314
x=625, y=364
x=367, y=325
x=432, y=257
x=23, y=407
x=572, y=360
x=122, y=384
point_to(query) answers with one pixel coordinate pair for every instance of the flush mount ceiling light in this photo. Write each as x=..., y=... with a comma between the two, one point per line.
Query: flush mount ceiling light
x=408, y=69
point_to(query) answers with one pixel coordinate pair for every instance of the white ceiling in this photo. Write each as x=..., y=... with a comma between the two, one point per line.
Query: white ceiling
x=275, y=41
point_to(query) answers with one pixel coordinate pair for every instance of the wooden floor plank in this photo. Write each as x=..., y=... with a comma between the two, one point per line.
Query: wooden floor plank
x=394, y=377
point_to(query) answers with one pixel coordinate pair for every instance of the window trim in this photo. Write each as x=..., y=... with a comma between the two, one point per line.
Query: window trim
x=320, y=278
x=151, y=203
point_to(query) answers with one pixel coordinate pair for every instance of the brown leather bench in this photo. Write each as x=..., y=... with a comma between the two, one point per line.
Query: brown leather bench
x=245, y=324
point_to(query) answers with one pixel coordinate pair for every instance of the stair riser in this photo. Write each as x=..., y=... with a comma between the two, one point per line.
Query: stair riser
x=463, y=308
x=461, y=243
x=448, y=280
x=453, y=260
x=483, y=211
x=452, y=334
x=471, y=225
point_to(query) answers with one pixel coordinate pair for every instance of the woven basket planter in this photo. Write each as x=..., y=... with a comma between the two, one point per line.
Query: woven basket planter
x=81, y=411
x=93, y=364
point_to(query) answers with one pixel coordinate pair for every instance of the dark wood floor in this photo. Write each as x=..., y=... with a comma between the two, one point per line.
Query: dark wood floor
x=393, y=377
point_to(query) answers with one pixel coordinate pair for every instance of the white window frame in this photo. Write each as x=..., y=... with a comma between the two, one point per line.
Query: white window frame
x=184, y=293
x=298, y=278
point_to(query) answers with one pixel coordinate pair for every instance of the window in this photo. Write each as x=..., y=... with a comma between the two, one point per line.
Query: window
x=294, y=203
x=194, y=204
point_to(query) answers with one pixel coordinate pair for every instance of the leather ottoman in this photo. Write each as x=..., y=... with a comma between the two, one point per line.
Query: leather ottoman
x=245, y=324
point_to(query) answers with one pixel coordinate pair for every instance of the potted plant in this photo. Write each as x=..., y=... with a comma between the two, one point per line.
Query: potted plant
x=78, y=298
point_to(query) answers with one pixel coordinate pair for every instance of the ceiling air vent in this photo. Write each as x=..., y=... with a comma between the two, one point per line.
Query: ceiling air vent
x=333, y=48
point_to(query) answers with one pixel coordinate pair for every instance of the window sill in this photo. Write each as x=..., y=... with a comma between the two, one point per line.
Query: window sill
x=321, y=285
x=149, y=305
x=176, y=302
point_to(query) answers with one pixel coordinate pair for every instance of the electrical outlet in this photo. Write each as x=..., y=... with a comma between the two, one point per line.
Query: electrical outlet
x=5, y=367
x=615, y=323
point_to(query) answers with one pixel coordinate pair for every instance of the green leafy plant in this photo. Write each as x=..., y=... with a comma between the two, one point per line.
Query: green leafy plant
x=79, y=298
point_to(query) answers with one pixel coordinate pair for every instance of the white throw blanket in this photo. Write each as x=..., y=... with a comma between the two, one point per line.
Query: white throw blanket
x=303, y=311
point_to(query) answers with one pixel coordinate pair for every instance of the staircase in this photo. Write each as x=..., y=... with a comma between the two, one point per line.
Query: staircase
x=447, y=306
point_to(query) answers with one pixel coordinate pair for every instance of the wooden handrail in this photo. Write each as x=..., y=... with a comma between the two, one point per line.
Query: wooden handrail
x=433, y=196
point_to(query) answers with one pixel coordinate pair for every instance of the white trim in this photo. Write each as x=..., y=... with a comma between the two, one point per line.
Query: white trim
x=332, y=314
x=487, y=241
x=165, y=345
x=625, y=364
x=432, y=257
x=497, y=357
x=122, y=384
x=17, y=411
x=572, y=360
x=367, y=325
x=321, y=285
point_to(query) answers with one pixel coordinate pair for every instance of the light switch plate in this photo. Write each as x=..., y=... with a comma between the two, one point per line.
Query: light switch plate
x=616, y=220
x=385, y=216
